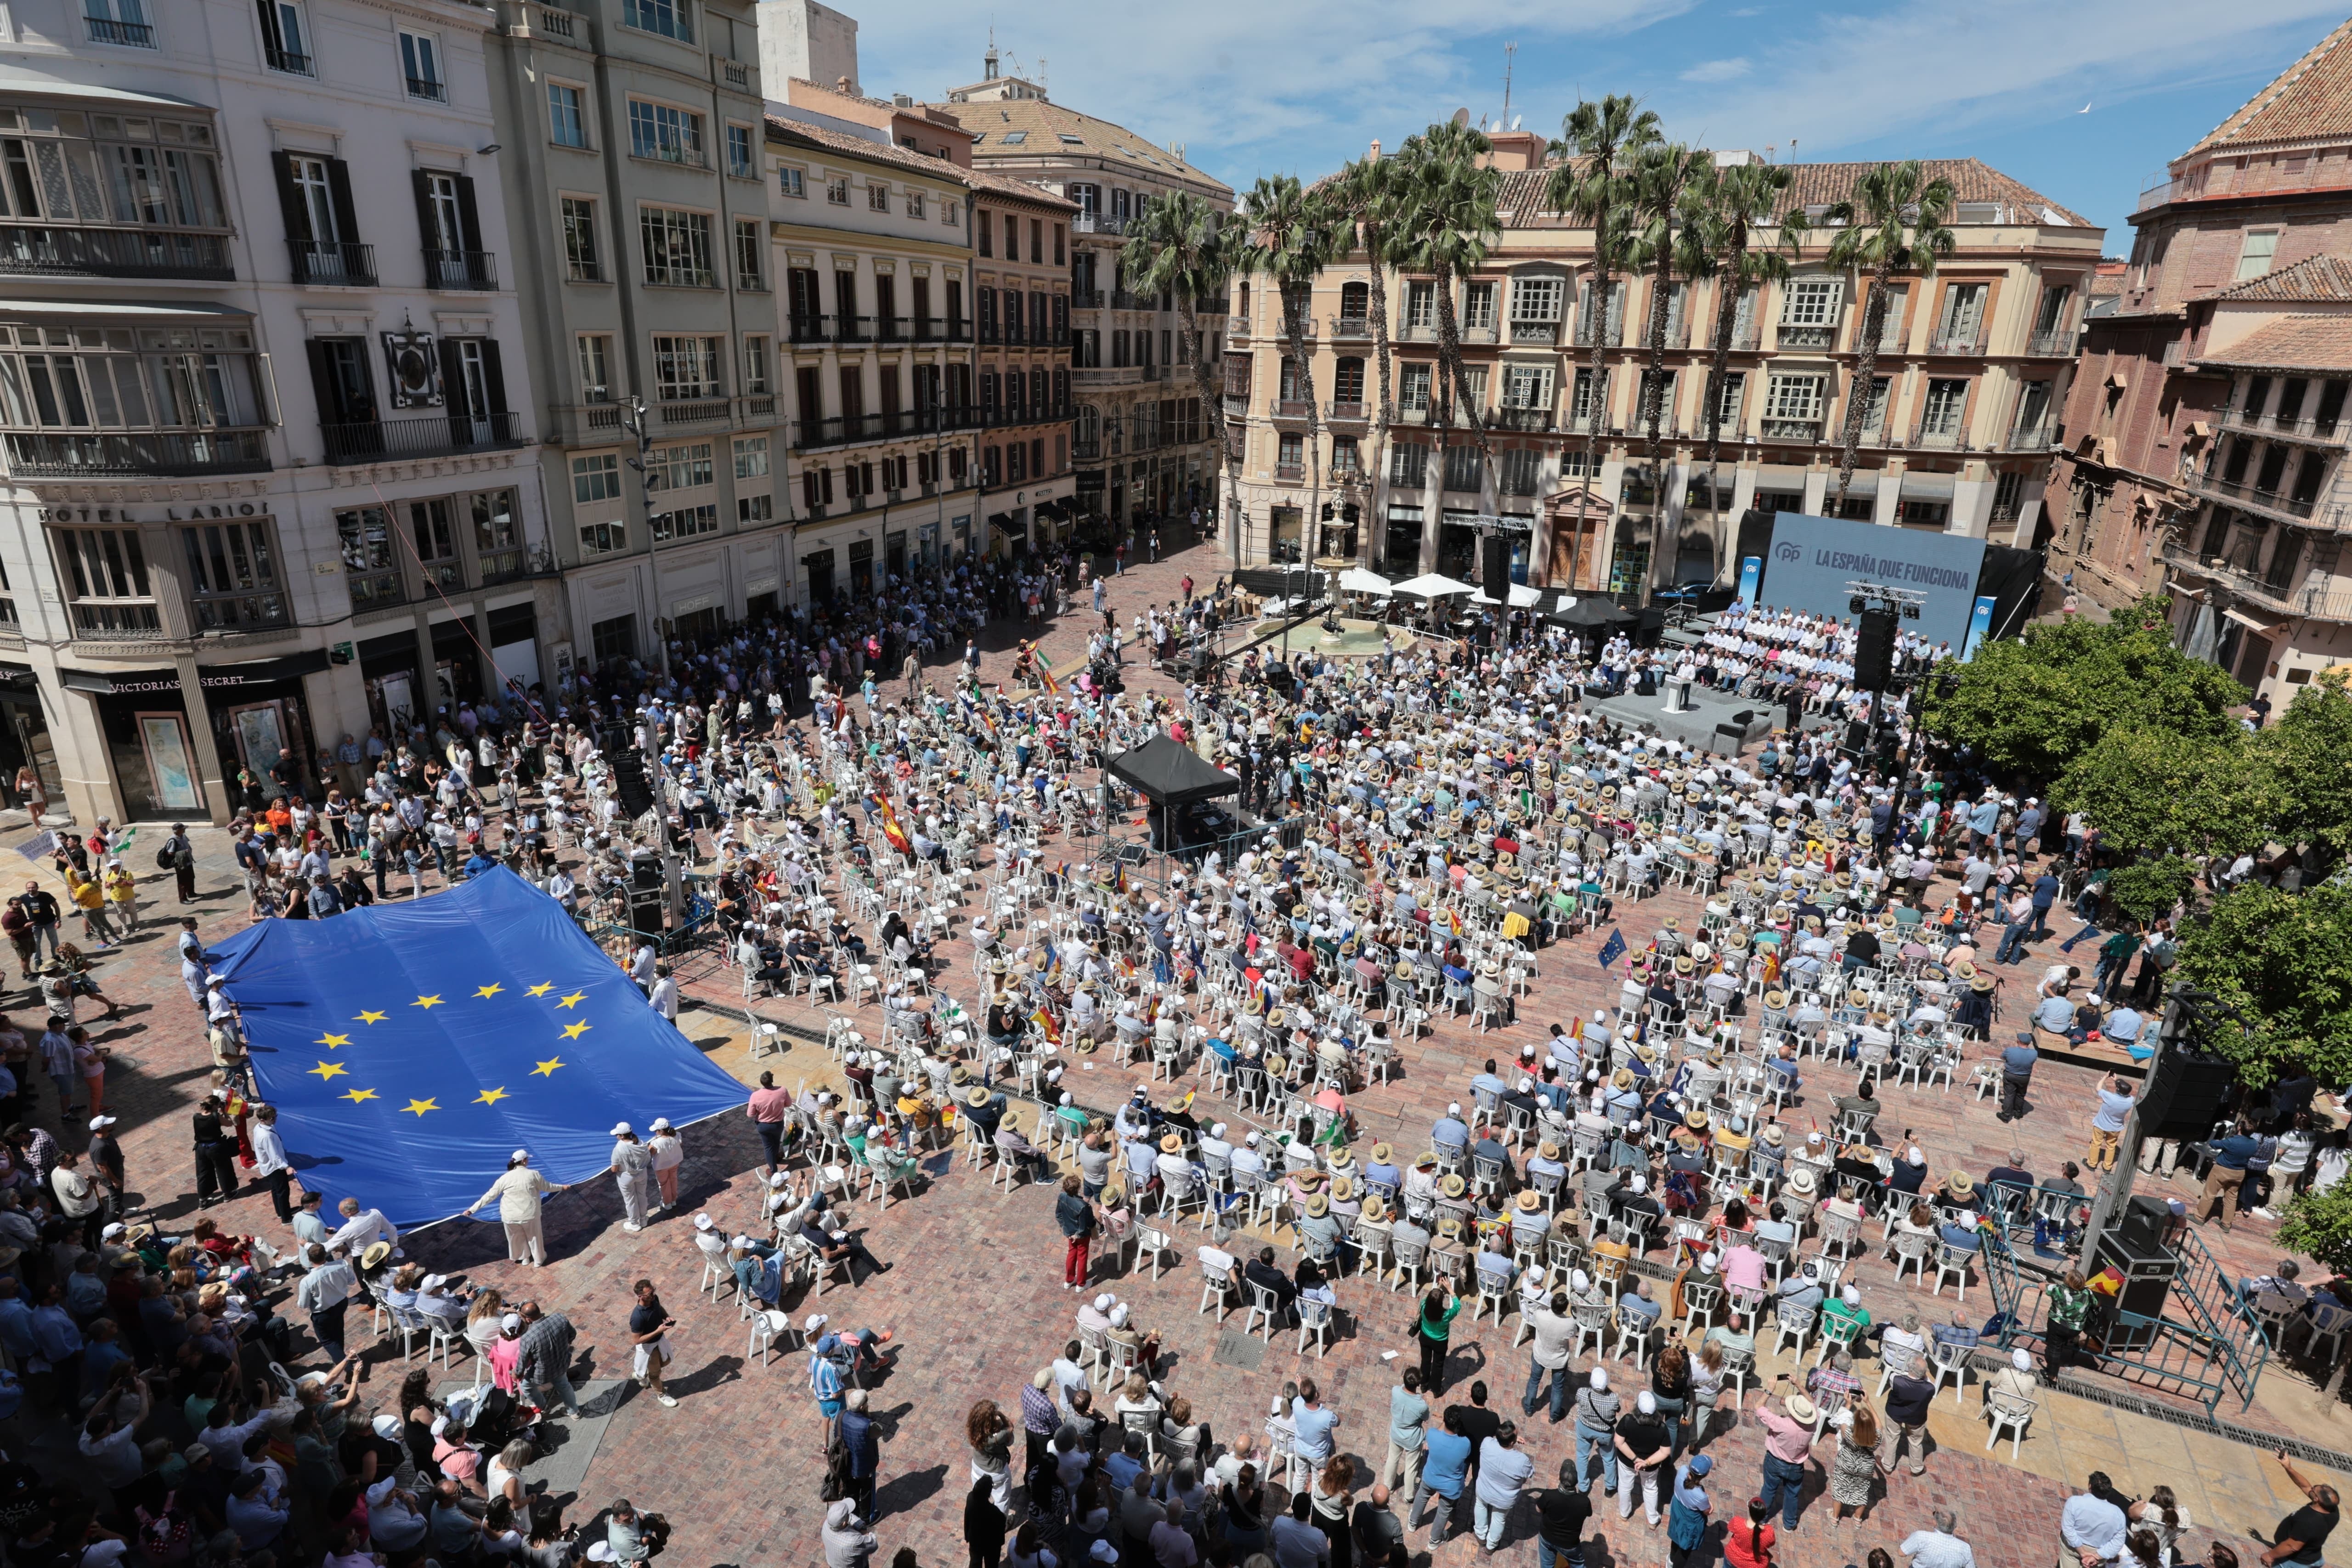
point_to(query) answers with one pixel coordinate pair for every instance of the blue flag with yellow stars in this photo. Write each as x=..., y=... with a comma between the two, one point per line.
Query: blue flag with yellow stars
x=1614, y=949
x=411, y=1049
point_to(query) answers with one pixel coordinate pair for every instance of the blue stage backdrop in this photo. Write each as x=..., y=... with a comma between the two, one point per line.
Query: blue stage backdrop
x=410, y=1048
x=1813, y=558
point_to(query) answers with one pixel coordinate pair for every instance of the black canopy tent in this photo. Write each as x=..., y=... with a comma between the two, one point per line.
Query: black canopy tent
x=1591, y=610
x=1179, y=785
x=1166, y=772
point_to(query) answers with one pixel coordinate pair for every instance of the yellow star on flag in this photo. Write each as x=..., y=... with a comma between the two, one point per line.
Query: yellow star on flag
x=490, y=990
x=547, y=1068
x=357, y=1095
x=490, y=1097
x=573, y=1031
x=325, y=1071
x=419, y=1107
x=373, y=1017
x=334, y=1039
x=541, y=989
x=574, y=999
x=427, y=1002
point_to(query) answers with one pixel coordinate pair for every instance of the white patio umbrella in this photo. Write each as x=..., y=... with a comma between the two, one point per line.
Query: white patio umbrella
x=1432, y=586
x=1522, y=597
x=1356, y=580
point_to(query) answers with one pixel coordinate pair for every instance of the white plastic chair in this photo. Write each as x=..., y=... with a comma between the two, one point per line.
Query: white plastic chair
x=767, y=1326
x=1314, y=1321
x=2008, y=1413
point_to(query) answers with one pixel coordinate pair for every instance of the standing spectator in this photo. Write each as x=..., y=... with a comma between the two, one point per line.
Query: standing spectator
x=1562, y=1514
x=847, y=1543
x=1075, y=1216
x=2017, y=1073
x=2227, y=1173
x=543, y=1358
x=1686, y=1519
x=1596, y=1430
x=649, y=1326
x=325, y=1293
x=1749, y=1543
x=1855, y=1469
x=2301, y=1534
x=983, y=1521
x=270, y=1163
x=864, y=1447
x=1940, y=1547
x=1446, y=1465
x=519, y=1193
x=2107, y=1123
x=1908, y=1397
x=1787, y=1445
x=1502, y=1471
x=2092, y=1527
x=1296, y=1542
x=766, y=1108
x=1551, y=1353
x=1408, y=1432
x=1435, y=1324
x=633, y=1172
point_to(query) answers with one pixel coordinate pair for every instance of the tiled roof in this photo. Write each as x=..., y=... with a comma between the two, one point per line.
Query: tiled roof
x=2320, y=278
x=2293, y=342
x=1049, y=130
x=1008, y=185
x=2312, y=97
x=872, y=151
x=1818, y=184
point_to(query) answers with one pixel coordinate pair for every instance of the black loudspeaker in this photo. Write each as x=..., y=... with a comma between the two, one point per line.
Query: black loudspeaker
x=629, y=782
x=2184, y=1095
x=1873, y=651
x=644, y=874
x=1499, y=569
x=645, y=911
x=1202, y=662
x=2140, y=1226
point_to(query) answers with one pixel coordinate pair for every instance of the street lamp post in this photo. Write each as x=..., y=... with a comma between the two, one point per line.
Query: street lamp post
x=634, y=419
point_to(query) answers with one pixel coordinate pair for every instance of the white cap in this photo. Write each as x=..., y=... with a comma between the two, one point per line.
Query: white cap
x=623, y=1129
x=520, y=1155
x=778, y=1178
x=1638, y=1183
x=1600, y=1379
x=1106, y=1302
x=813, y=1322
x=1600, y=1014
x=1118, y=1316
x=1217, y=1130
x=100, y=1123
x=434, y=1281
x=661, y=1124
x=1707, y=1261
x=1526, y=1084
x=1853, y=1294
x=2021, y=1360
x=742, y=1244
x=112, y=1231
x=1646, y=1403
x=1454, y=1107
x=702, y=1222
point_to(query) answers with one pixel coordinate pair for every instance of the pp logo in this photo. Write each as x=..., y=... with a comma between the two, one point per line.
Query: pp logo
x=1788, y=550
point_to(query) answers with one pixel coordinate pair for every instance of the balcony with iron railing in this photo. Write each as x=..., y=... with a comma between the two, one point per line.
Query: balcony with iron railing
x=1287, y=409
x=116, y=619
x=2287, y=505
x=53, y=251
x=1479, y=332
x=239, y=612
x=1678, y=334
x=1352, y=329
x=1946, y=436
x=1534, y=334
x=330, y=263
x=460, y=269
x=1524, y=419
x=67, y=454
x=1097, y=223
x=288, y=60
x=384, y=440
x=1106, y=374
x=1789, y=429
x=2331, y=433
x=1289, y=473
x=1412, y=332
x=1583, y=335
x=1340, y=411
x=2054, y=345
x=427, y=88
x=844, y=430
x=2034, y=437
x=1958, y=345
x=2314, y=601
x=1126, y=299
x=1798, y=337
x=130, y=35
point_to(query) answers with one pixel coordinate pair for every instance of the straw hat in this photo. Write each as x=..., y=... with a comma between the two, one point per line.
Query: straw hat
x=1800, y=1410
x=1547, y=1150
x=1171, y=1144
x=1453, y=1185
x=1307, y=1178
x=977, y=1095
x=1425, y=1161
x=1383, y=1154
x=1694, y=1118
x=1981, y=983
x=1342, y=1188
x=1959, y=1185
x=1776, y=999
x=1449, y=1229
x=1317, y=1206
x=1375, y=1210
x=1800, y=1180
x=1529, y=1201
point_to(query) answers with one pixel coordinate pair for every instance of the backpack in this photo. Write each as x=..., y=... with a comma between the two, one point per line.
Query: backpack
x=164, y=858
x=834, y=1486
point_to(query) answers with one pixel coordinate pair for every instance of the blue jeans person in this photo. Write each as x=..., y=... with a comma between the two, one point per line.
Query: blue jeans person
x=1784, y=1483
x=1605, y=1446
x=2012, y=943
x=1559, y=1376
x=1671, y=1412
x=1488, y=1522
x=2041, y=922
x=1550, y=1556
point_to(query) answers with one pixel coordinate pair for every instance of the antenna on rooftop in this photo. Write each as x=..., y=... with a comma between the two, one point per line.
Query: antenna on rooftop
x=1510, y=51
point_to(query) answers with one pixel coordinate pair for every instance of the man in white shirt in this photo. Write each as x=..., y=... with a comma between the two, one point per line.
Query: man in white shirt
x=665, y=992
x=270, y=1164
x=362, y=1228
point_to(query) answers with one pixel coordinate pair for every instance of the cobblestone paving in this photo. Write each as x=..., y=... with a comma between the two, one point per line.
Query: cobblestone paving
x=975, y=1303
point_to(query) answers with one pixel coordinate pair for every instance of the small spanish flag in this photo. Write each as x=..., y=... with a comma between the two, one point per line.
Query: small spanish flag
x=893, y=832
x=1043, y=1019
x=1045, y=674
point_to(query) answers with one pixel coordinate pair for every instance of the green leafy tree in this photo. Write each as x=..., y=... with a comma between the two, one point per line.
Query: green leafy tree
x=1371, y=203
x=2027, y=709
x=2309, y=755
x=1289, y=239
x=1895, y=222
x=1179, y=245
x=2284, y=962
x=2150, y=791
x=1732, y=237
x=1456, y=216
x=2145, y=890
x=2319, y=1224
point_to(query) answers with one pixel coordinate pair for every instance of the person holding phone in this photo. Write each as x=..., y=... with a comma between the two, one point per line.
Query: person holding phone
x=649, y=1326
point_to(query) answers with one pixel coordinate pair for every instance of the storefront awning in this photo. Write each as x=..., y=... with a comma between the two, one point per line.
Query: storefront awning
x=121, y=311
x=2252, y=623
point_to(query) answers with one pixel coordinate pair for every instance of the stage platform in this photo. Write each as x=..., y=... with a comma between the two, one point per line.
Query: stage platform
x=1695, y=726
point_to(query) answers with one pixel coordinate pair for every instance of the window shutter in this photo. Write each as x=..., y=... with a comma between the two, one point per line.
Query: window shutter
x=469, y=219
x=453, y=382
x=289, y=200
x=323, y=381
x=427, y=236
x=494, y=376
x=339, y=187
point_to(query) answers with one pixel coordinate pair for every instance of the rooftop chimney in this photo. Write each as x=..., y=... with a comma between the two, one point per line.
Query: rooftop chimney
x=841, y=85
x=1376, y=150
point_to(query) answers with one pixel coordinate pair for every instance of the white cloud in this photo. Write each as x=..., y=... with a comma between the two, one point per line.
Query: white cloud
x=1731, y=69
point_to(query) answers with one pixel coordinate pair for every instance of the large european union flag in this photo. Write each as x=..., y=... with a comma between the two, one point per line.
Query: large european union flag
x=410, y=1048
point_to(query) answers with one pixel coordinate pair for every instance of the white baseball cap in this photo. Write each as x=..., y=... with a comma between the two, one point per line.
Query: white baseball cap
x=702, y=1222
x=100, y=1123
x=623, y=1129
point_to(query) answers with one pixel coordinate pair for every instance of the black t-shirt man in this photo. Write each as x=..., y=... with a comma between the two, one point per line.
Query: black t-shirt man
x=1476, y=1423
x=2310, y=1525
x=1642, y=1434
x=1562, y=1515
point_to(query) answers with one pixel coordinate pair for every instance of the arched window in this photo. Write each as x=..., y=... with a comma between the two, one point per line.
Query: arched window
x=1348, y=381
x=1355, y=301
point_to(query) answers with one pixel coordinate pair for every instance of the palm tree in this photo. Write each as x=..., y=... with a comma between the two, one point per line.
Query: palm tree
x=1456, y=218
x=1728, y=207
x=1369, y=205
x=1893, y=222
x=1662, y=173
x=1179, y=245
x=1598, y=191
x=1288, y=237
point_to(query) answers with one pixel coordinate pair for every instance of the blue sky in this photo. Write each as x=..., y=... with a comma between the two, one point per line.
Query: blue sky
x=1301, y=86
